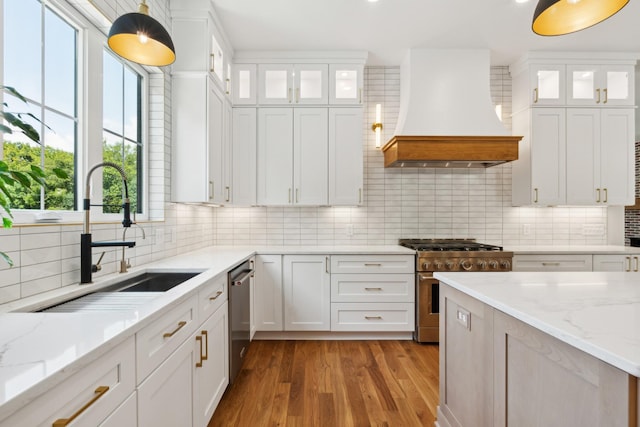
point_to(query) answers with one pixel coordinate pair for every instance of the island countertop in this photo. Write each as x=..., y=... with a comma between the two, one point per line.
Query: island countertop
x=598, y=313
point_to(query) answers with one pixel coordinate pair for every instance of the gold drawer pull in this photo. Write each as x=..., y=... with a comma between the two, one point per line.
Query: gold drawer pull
x=100, y=391
x=372, y=264
x=199, y=364
x=170, y=334
x=372, y=289
x=551, y=264
x=206, y=345
x=216, y=297
x=373, y=317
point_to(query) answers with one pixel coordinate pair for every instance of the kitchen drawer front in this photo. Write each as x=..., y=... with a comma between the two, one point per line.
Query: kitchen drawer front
x=552, y=262
x=373, y=287
x=372, y=264
x=212, y=296
x=87, y=387
x=372, y=317
x=157, y=341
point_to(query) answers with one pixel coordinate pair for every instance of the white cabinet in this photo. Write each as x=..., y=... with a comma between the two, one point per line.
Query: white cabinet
x=627, y=263
x=268, y=293
x=547, y=84
x=372, y=293
x=165, y=398
x=198, y=160
x=211, y=368
x=295, y=84
x=600, y=159
x=244, y=84
x=539, y=174
x=345, y=156
x=552, y=262
x=600, y=85
x=346, y=84
x=292, y=156
x=307, y=293
x=243, y=157
x=125, y=415
x=88, y=397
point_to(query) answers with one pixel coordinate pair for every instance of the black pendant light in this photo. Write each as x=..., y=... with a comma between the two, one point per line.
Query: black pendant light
x=140, y=38
x=558, y=17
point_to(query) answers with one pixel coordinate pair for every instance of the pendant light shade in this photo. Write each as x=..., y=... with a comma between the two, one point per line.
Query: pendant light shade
x=558, y=17
x=140, y=38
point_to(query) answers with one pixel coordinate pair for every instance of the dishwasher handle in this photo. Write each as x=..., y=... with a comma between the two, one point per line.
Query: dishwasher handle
x=241, y=278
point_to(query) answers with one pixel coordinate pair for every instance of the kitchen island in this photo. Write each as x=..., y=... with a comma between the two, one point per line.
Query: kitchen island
x=539, y=349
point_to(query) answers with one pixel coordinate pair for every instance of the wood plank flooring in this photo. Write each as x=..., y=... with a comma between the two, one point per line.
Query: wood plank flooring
x=333, y=383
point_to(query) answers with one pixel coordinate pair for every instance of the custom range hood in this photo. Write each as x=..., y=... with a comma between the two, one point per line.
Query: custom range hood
x=446, y=116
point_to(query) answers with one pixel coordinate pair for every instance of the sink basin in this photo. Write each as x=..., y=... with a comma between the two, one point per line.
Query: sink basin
x=150, y=282
x=125, y=295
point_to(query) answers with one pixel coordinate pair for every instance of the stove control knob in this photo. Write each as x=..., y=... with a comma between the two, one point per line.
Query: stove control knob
x=466, y=265
x=482, y=265
x=493, y=264
x=449, y=265
x=426, y=265
x=505, y=265
x=438, y=265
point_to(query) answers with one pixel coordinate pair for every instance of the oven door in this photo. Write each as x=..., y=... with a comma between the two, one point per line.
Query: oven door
x=428, y=308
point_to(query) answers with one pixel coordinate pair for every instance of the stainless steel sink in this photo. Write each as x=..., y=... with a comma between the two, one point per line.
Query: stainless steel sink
x=125, y=295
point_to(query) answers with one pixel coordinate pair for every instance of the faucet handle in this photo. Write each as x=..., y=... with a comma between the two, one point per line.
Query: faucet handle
x=97, y=267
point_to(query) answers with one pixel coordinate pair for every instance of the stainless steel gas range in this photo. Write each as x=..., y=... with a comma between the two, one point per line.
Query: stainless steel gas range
x=447, y=255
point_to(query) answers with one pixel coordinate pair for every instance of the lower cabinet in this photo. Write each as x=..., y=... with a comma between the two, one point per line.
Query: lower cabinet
x=627, y=263
x=267, y=308
x=307, y=292
x=99, y=394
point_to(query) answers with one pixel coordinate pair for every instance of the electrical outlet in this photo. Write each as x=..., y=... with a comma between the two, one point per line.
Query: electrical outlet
x=349, y=230
x=158, y=236
x=526, y=229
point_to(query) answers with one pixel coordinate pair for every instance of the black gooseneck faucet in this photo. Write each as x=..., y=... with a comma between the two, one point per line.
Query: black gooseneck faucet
x=86, y=265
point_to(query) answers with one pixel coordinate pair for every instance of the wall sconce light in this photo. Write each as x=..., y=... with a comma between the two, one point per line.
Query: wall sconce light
x=377, y=126
x=558, y=17
x=140, y=38
x=499, y=111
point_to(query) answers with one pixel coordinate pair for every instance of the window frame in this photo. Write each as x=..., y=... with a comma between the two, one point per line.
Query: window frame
x=89, y=100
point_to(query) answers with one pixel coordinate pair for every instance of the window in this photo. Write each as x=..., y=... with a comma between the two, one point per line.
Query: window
x=40, y=62
x=122, y=132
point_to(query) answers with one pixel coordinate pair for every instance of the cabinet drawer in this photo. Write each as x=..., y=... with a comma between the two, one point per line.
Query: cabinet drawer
x=367, y=317
x=212, y=296
x=372, y=264
x=552, y=262
x=99, y=388
x=157, y=341
x=373, y=287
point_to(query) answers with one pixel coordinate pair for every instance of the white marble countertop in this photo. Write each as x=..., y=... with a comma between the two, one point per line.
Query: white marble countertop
x=598, y=313
x=39, y=350
x=568, y=249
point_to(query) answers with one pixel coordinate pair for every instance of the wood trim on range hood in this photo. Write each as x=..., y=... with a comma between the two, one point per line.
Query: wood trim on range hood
x=450, y=151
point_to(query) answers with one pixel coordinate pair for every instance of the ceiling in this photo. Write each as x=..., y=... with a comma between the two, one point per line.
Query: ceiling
x=387, y=28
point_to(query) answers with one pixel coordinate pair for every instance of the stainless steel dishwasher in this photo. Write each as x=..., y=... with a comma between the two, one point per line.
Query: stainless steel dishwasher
x=239, y=316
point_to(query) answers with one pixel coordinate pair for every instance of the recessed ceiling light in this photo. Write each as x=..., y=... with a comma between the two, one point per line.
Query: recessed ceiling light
x=522, y=1
x=372, y=1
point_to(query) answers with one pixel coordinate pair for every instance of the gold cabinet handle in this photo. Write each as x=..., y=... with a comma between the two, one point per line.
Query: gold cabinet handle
x=606, y=196
x=206, y=346
x=372, y=289
x=170, y=334
x=212, y=63
x=297, y=190
x=359, y=195
x=228, y=91
x=210, y=190
x=100, y=391
x=216, y=296
x=297, y=95
x=606, y=95
x=289, y=95
x=628, y=258
x=326, y=264
x=360, y=96
x=551, y=264
x=289, y=195
x=597, y=195
x=373, y=317
x=535, y=197
x=199, y=340
x=372, y=264
x=635, y=263
x=535, y=95
x=598, y=98
x=228, y=190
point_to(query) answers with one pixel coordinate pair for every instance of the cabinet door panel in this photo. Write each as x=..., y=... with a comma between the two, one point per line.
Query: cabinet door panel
x=548, y=154
x=275, y=156
x=243, y=183
x=215, y=125
x=307, y=293
x=275, y=85
x=548, y=84
x=268, y=293
x=311, y=156
x=583, y=142
x=617, y=169
x=345, y=156
x=310, y=82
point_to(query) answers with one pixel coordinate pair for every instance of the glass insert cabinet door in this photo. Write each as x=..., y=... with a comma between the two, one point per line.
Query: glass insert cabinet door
x=346, y=84
x=548, y=85
x=599, y=85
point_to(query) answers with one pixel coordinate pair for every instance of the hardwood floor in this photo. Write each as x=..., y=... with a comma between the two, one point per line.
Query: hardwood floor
x=333, y=383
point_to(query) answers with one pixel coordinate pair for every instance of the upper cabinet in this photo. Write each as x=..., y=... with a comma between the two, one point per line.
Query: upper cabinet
x=244, y=87
x=295, y=84
x=346, y=84
x=547, y=84
x=600, y=85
